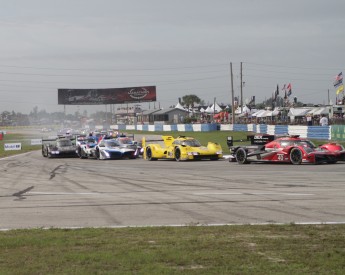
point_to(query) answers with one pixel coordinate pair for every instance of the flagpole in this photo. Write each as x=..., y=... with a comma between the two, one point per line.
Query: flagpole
x=328, y=98
x=241, y=91
x=232, y=93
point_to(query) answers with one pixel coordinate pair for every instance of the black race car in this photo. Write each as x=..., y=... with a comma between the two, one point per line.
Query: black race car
x=60, y=147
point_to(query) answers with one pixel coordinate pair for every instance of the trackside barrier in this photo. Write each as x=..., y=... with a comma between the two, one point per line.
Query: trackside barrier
x=338, y=132
x=334, y=132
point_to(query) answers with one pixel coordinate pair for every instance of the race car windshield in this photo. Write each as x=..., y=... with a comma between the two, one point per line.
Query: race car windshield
x=64, y=143
x=111, y=143
x=191, y=143
x=306, y=143
x=126, y=141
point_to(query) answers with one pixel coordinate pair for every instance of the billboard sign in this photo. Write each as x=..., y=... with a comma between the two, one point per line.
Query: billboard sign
x=12, y=146
x=106, y=96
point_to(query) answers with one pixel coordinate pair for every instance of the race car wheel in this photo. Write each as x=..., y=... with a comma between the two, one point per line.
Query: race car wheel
x=296, y=156
x=149, y=154
x=97, y=154
x=80, y=153
x=177, y=154
x=241, y=156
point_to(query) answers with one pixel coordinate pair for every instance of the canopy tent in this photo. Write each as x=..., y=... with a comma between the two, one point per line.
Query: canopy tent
x=215, y=108
x=322, y=111
x=264, y=113
x=275, y=112
x=312, y=111
x=209, y=110
x=257, y=112
x=261, y=113
x=298, y=111
x=179, y=106
x=245, y=110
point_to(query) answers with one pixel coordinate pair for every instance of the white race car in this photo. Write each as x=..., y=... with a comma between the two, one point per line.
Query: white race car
x=86, y=147
x=112, y=149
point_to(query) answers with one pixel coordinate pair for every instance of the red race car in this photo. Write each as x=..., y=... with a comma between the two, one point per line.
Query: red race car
x=285, y=149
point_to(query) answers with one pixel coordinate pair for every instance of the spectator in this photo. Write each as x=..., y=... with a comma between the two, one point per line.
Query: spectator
x=309, y=120
x=323, y=120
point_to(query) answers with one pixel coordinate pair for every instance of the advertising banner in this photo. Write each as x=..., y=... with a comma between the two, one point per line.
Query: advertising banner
x=106, y=96
x=338, y=132
x=12, y=146
x=36, y=142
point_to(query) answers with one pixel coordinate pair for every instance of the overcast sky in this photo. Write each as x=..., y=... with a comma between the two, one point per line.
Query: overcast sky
x=181, y=47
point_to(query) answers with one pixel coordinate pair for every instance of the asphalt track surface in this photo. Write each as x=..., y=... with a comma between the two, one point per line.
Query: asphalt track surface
x=36, y=192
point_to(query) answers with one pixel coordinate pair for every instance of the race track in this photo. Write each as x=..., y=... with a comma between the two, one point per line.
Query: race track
x=69, y=192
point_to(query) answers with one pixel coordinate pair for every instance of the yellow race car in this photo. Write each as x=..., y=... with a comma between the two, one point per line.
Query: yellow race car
x=181, y=148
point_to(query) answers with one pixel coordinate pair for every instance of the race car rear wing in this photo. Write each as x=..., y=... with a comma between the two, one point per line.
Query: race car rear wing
x=258, y=139
x=164, y=139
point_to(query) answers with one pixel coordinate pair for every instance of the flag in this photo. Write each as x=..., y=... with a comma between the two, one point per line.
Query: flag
x=289, y=90
x=276, y=93
x=340, y=89
x=284, y=88
x=338, y=80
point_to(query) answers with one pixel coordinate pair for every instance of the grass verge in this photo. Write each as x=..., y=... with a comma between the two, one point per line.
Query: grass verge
x=25, y=140
x=248, y=249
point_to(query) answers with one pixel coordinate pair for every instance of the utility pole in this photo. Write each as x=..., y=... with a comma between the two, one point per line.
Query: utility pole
x=232, y=94
x=328, y=98
x=241, y=91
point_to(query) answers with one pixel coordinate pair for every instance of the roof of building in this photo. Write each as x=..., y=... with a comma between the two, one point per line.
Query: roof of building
x=149, y=112
x=168, y=110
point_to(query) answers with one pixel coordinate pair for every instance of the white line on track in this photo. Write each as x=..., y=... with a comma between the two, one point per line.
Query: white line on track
x=63, y=193
x=251, y=193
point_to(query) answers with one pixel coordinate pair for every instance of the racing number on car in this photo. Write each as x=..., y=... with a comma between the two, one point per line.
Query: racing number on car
x=280, y=157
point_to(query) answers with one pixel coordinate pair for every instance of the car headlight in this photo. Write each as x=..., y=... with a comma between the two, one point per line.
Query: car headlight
x=193, y=153
x=55, y=152
x=106, y=153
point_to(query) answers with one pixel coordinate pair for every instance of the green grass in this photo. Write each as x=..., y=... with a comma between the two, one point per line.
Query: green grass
x=269, y=249
x=18, y=138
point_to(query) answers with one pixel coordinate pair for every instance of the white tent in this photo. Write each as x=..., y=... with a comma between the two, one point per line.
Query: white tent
x=298, y=111
x=179, y=106
x=216, y=108
x=275, y=112
x=312, y=111
x=213, y=109
x=246, y=110
x=264, y=113
x=258, y=112
x=322, y=111
x=209, y=110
